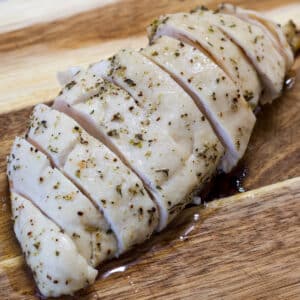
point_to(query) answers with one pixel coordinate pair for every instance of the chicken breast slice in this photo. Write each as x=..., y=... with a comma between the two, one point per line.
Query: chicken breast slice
x=210, y=40
x=214, y=92
x=259, y=48
x=31, y=175
x=56, y=265
x=158, y=130
x=271, y=29
x=79, y=85
x=113, y=187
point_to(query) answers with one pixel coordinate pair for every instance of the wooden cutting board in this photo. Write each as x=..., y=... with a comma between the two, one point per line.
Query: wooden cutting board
x=243, y=247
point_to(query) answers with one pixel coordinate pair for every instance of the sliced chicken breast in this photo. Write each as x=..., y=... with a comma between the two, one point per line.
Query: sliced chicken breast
x=271, y=29
x=31, y=175
x=258, y=47
x=56, y=265
x=79, y=82
x=132, y=139
x=115, y=189
x=210, y=40
x=158, y=130
x=214, y=92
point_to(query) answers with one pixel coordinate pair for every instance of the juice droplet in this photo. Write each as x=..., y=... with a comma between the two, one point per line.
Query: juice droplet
x=113, y=271
x=290, y=80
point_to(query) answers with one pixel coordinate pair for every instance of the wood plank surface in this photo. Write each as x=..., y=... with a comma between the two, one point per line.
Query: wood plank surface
x=245, y=247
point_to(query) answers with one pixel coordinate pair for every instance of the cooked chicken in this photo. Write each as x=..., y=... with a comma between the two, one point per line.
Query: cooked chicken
x=210, y=40
x=173, y=148
x=130, y=139
x=269, y=64
x=271, y=29
x=52, y=256
x=115, y=189
x=292, y=35
x=231, y=116
x=78, y=86
x=31, y=175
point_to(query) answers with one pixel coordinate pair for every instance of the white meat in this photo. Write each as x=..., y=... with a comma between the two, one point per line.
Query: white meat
x=271, y=29
x=116, y=190
x=159, y=131
x=210, y=40
x=215, y=93
x=259, y=48
x=31, y=175
x=57, y=267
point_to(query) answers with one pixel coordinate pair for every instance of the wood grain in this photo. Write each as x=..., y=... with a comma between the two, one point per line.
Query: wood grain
x=16, y=14
x=245, y=247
